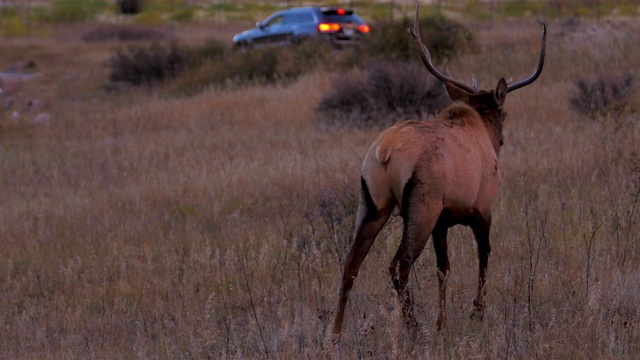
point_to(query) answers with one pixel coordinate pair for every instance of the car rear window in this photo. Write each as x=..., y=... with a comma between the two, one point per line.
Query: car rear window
x=348, y=16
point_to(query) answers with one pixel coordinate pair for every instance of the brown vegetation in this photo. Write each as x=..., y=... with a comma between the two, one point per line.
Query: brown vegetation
x=137, y=225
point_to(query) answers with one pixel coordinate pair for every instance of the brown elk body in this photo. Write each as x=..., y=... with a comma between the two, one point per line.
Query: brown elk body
x=439, y=174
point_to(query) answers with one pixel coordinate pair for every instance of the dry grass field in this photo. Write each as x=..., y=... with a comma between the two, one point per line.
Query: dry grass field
x=136, y=224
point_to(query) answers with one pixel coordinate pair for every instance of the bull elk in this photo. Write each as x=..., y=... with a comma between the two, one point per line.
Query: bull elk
x=438, y=174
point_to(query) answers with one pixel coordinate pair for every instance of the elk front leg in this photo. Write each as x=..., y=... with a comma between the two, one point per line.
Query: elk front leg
x=481, y=229
x=442, y=259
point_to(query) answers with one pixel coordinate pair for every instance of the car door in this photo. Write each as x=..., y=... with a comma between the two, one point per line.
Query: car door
x=303, y=26
x=308, y=24
x=285, y=32
x=268, y=31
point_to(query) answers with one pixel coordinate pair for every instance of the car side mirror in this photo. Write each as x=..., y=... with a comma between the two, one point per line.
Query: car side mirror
x=259, y=25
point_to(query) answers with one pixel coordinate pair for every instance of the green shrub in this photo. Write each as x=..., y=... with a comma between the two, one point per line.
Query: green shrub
x=13, y=27
x=8, y=12
x=183, y=14
x=477, y=10
x=388, y=92
x=605, y=96
x=145, y=65
x=628, y=9
x=444, y=38
x=218, y=65
x=73, y=11
x=520, y=7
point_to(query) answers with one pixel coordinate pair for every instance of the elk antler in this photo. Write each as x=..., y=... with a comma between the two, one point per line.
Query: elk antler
x=426, y=57
x=534, y=75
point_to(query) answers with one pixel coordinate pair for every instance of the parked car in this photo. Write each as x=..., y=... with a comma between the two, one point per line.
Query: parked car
x=339, y=26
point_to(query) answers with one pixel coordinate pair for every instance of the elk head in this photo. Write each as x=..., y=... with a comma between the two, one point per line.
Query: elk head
x=487, y=103
x=438, y=173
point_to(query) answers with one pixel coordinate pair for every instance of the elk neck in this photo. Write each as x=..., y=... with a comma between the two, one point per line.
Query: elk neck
x=492, y=116
x=494, y=121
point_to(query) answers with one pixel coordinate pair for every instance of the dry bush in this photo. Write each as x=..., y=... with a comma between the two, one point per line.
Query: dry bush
x=605, y=96
x=211, y=49
x=259, y=66
x=145, y=65
x=386, y=93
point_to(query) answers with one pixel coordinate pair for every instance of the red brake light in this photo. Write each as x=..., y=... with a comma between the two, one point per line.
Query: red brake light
x=328, y=27
x=363, y=28
x=341, y=11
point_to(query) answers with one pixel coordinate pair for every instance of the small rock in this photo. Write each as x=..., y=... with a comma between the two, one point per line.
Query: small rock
x=8, y=102
x=41, y=119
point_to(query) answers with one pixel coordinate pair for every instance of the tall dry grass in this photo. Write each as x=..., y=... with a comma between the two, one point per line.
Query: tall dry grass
x=138, y=225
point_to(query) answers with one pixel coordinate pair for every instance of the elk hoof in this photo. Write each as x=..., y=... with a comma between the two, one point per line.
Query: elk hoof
x=477, y=314
x=335, y=339
x=478, y=311
x=416, y=335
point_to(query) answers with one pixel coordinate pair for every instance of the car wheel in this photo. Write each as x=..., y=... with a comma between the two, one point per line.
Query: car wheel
x=294, y=40
x=242, y=45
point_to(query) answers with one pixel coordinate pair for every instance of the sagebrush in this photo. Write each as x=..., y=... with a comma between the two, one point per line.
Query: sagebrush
x=606, y=95
x=385, y=93
x=145, y=65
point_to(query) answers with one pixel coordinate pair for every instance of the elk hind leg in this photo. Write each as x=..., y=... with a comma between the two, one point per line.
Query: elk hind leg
x=481, y=227
x=370, y=219
x=419, y=220
x=442, y=260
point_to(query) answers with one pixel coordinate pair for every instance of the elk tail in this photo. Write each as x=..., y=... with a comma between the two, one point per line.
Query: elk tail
x=383, y=153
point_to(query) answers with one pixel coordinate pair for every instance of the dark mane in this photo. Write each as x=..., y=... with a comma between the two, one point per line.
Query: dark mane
x=458, y=114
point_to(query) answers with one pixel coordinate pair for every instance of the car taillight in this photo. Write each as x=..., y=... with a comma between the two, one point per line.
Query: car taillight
x=341, y=11
x=363, y=28
x=328, y=27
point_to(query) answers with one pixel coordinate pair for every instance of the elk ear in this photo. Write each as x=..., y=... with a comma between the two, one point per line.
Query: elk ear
x=457, y=94
x=501, y=91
